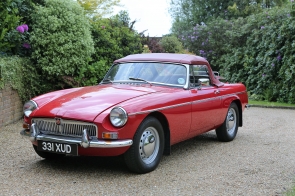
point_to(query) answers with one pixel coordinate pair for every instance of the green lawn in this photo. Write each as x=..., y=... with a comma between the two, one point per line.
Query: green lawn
x=291, y=193
x=265, y=103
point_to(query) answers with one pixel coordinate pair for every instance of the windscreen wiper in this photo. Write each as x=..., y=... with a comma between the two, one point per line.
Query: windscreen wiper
x=106, y=81
x=140, y=79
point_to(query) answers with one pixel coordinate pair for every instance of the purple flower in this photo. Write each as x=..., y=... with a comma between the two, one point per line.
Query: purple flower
x=263, y=75
x=292, y=0
x=203, y=43
x=25, y=26
x=262, y=27
x=20, y=29
x=279, y=57
x=103, y=27
x=26, y=45
x=288, y=15
x=273, y=64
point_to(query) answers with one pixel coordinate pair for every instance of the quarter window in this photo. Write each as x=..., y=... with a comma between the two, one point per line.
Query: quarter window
x=199, y=76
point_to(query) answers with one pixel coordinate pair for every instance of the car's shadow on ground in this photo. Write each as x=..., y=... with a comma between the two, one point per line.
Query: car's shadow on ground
x=116, y=164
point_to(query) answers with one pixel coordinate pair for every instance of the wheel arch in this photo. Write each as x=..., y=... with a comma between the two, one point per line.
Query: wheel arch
x=164, y=122
x=239, y=104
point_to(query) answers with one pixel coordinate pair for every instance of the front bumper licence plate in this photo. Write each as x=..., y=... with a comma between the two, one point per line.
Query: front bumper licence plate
x=59, y=148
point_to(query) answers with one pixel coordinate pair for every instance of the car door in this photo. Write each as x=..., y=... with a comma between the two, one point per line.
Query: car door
x=205, y=98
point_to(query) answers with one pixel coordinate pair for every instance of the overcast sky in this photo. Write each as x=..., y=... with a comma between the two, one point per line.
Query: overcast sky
x=151, y=15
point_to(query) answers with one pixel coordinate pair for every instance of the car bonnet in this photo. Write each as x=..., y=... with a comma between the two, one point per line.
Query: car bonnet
x=88, y=102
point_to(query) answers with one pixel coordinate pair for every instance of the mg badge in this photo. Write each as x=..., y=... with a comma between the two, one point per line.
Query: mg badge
x=58, y=121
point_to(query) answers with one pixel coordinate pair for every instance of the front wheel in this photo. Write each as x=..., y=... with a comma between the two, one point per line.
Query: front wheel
x=229, y=128
x=147, y=149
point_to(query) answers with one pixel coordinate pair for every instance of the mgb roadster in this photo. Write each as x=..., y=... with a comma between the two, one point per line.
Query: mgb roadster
x=144, y=104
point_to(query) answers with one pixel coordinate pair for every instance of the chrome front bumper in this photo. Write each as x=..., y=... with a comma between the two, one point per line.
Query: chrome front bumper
x=85, y=141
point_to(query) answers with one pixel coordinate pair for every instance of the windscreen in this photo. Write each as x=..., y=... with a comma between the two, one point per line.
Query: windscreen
x=161, y=73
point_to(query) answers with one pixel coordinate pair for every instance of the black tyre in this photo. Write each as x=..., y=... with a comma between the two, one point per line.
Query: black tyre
x=147, y=149
x=48, y=155
x=229, y=128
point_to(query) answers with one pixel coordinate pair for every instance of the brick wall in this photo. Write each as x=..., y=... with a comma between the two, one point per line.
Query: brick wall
x=10, y=106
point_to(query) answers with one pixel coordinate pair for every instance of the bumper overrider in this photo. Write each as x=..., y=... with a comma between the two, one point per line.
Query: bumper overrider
x=85, y=141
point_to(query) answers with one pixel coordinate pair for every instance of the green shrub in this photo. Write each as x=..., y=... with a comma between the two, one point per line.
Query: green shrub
x=20, y=75
x=61, y=42
x=171, y=44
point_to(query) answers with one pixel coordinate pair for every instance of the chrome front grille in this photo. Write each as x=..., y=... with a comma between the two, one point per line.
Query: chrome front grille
x=66, y=128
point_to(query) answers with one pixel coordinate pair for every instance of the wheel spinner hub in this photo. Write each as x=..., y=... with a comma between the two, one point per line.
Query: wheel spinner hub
x=149, y=145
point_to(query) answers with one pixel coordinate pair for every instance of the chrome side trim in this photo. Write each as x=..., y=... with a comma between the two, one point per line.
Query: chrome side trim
x=158, y=109
x=186, y=103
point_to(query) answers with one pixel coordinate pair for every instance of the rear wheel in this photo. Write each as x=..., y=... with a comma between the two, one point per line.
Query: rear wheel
x=229, y=128
x=48, y=155
x=147, y=149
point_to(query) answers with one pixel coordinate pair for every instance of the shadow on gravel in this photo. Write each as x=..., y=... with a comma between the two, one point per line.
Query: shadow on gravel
x=205, y=139
x=85, y=165
x=107, y=165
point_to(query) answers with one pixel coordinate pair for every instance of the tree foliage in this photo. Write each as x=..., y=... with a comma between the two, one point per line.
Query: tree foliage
x=257, y=50
x=188, y=13
x=113, y=38
x=98, y=8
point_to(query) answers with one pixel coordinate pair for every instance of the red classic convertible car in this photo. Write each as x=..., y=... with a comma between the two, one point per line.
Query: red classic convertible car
x=144, y=104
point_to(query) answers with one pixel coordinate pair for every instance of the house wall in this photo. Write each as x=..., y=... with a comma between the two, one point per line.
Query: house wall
x=10, y=106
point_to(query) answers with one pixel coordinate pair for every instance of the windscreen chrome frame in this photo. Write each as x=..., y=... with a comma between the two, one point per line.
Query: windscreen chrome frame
x=185, y=86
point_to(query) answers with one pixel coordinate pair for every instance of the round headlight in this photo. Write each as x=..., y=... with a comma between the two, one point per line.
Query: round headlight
x=118, y=117
x=29, y=107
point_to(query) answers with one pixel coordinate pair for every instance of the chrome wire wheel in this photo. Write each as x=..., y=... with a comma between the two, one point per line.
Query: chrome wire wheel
x=149, y=145
x=231, y=121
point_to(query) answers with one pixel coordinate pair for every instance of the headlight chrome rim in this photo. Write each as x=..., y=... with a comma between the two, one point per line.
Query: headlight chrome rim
x=118, y=116
x=29, y=107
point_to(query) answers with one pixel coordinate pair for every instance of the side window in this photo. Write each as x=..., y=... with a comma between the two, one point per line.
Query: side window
x=199, y=76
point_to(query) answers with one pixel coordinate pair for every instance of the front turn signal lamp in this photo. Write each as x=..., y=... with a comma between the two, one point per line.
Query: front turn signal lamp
x=110, y=135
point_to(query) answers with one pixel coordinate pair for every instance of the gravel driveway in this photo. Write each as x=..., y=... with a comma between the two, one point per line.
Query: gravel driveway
x=260, y=161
